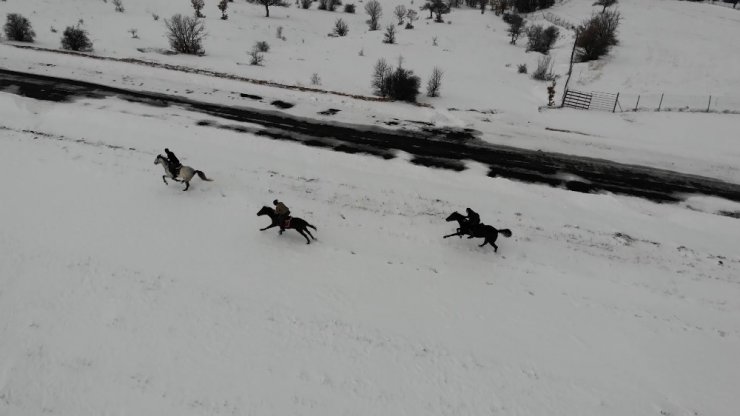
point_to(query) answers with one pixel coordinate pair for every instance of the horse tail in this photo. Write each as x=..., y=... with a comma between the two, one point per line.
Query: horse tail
x=203, y=176
x=505, y=232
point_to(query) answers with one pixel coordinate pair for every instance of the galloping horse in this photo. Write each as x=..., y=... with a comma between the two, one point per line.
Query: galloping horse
x=185, y=175
x=487, y=232
x=295, y=223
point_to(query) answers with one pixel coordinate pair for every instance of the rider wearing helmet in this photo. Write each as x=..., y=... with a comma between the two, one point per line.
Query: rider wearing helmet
x=173, y=162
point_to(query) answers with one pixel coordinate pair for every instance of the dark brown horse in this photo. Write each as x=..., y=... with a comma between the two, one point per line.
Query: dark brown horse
x=295, y=223
x=487, y=232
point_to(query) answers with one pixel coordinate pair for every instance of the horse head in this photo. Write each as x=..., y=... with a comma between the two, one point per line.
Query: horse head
x=455, y=216
x=265, y=210
x=159, y=159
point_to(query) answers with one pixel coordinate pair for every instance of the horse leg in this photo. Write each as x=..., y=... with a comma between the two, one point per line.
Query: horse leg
x=304, y=235
x=187, y=185
x=309, y=233
x=495, y=247
x=452, y=235
x=164, y=178
x=268, y=227
x=485, y=241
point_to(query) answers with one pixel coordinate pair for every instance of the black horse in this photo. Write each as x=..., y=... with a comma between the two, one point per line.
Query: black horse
x=295, y=223
x=487, y=232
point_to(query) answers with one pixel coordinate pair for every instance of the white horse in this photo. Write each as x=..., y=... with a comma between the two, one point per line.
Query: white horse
x=185, y=175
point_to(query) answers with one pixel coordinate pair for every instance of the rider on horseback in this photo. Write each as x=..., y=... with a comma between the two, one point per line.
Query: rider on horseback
x=283, y=213
x=174, y=163
x=472, y=219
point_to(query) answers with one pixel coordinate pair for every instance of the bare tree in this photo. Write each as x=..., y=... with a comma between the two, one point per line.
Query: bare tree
x=374, y=10
x=400, y=13
x=605, y=3
x=223, y=5
x=516, y=26
x=434, y=83
x=119, y=6
x=198, y=6
x=268, y=3
x=185, y=34
x=412, y=16
x=438, y=7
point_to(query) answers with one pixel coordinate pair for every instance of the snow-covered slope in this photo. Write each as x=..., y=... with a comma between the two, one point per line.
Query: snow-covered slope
x=120, y=295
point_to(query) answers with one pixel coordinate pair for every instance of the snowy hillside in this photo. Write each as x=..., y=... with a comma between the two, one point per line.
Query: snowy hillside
x=121, y=295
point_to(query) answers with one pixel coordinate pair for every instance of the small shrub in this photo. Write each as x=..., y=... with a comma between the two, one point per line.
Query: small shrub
x=597, y=35
x=198, y=5
x=223, y=5
x=315, y=79
x=516, y=26
x=390, y=34
x=400, y=13
x=18, y=28
x=322, y=4
x=75, y=38
x=374, y=10
x=341, y=28
x=541, y=40
x=332, y=5
x=134, y=33
x=306, y=4
x=119, y=6
x=399, y=84
x=544, y=69
x=361, y=52
x=185, y=34
x=53, y=29
x=262, y=46
x=155, y=17
x=279, y=33
x=521, y=68
x=434, y=83
x=255, y=57
x=434, y=41
x=349, y=8
x=412, y=16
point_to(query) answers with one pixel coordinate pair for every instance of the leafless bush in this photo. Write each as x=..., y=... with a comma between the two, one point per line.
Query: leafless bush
x=400, y=13
x=390, y=34
x=315, y=79
x=341, y=28
x=374, y=10
x=434, y=83
x=185, y=34
x=255, y=57
x=597, y=35
x=119, y=6
x=544, y=69
x=75, y=38
x=18, y=28
x=262, y=46
x=198, y=5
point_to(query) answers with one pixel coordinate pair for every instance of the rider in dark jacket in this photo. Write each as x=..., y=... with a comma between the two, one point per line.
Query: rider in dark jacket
x=174, y=163
x=473, y=218
x=282, y=214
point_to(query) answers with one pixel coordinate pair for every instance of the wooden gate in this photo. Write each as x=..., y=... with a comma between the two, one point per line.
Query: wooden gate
x=603, y=101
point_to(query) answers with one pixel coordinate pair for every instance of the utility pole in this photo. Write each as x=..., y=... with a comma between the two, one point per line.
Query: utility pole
x=570, y=68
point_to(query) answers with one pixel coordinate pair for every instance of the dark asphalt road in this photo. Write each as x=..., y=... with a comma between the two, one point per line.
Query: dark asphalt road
x=432, y=147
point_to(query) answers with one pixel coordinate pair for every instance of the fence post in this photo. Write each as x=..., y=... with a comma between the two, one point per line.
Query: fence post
x=637, y=103
x=661, y=101
x=616, y=100
x=710, y=103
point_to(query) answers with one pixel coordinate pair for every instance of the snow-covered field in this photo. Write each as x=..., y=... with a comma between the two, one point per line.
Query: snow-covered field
x=120, y=295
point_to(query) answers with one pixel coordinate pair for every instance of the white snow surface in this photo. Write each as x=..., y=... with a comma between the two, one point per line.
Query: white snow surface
x=120, y=295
